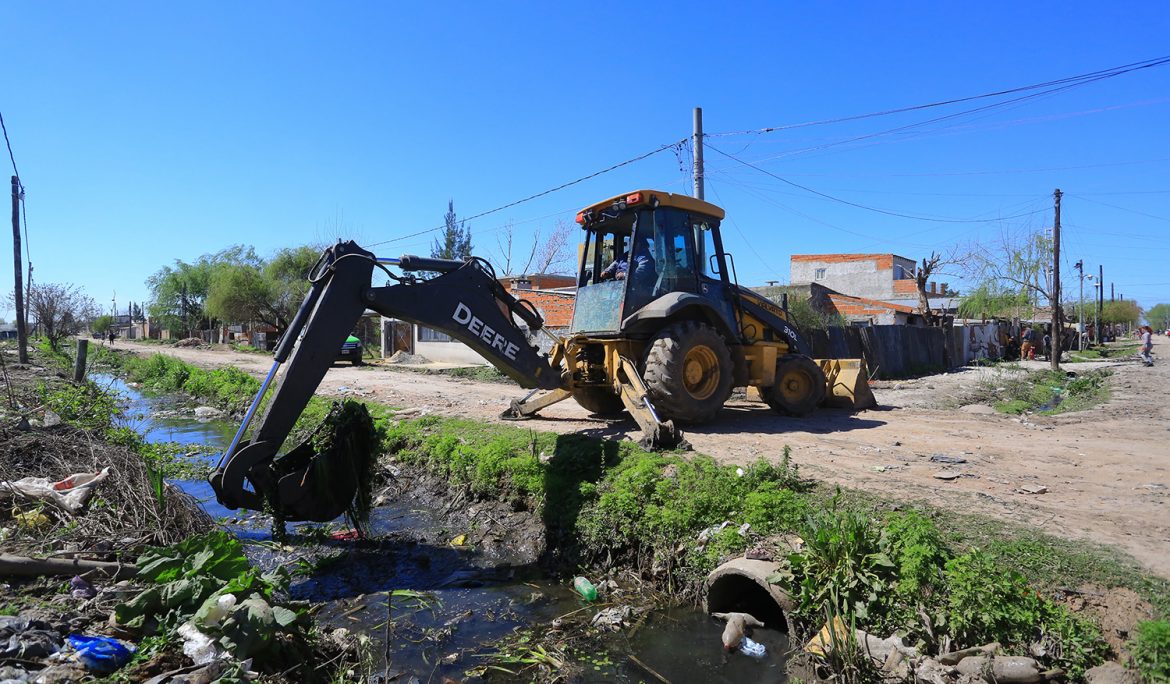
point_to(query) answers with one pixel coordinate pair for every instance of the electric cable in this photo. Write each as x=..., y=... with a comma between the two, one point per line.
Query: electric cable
x=862, y=206
x=562, y=186
x=1076, y=80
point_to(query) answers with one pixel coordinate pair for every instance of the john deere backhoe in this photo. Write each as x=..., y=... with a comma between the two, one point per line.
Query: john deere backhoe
x=660, y=329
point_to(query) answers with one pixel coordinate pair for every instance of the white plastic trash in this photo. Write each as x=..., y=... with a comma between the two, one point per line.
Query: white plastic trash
x=71, y=494
x=752, y=648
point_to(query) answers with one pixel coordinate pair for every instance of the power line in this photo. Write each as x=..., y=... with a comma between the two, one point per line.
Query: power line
x=562, y=186
x=1114, y=206
x=9, y=144
x=1080, y=79
x=862, y=206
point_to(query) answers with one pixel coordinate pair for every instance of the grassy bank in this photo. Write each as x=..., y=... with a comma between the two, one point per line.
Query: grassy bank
x=1015, y=390
x=940, y=580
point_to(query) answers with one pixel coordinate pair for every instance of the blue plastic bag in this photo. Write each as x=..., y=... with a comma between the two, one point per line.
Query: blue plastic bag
x=100, y=654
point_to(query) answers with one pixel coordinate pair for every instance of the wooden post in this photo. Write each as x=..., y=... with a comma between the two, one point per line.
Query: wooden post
x=79, y=364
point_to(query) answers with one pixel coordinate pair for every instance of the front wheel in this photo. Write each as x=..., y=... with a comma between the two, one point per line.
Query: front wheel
x=799, y=388
x=688, y=372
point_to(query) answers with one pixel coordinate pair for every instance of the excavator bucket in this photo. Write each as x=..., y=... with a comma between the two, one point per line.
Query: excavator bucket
x=847, y=383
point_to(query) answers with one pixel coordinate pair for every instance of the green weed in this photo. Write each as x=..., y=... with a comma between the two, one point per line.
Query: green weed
x=1151, y=651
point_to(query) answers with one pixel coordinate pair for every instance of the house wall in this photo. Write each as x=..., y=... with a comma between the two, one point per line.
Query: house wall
x=873, y=276
x=860, y=275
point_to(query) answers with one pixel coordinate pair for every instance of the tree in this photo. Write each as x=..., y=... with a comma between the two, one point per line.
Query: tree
x=1018, y=269
x=178, y=294
x=455, y=242
x=1120, y=312
x=547, y=255
x=1159, y=316
x=238, y=293
x=287, y=275
x=101, y=325
x=929, y=267
x=59, y=311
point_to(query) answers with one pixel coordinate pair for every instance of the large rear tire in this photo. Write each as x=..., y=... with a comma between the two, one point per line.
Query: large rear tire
x=799, y=388
x=599, y=400
x=688, y=372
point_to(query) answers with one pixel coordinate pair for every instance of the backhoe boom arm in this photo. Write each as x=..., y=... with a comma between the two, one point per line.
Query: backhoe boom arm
x=464, y=301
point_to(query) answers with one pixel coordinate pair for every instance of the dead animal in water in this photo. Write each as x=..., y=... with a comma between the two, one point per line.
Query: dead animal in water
x=737, y=625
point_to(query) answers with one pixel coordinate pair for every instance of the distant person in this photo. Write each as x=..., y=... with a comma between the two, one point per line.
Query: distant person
x=112, y=336
x=1047, y=345
x=1147, y=345
x=1026, y=346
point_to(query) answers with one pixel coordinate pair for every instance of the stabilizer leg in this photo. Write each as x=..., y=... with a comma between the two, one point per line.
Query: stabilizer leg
x=656, y=434
x=529, y=405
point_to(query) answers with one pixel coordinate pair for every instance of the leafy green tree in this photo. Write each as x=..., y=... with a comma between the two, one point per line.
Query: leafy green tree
x=287, y=275
x=992, y=299
x=238, y=293
x=101, y=324
x=1159, y=316
x=455, y=242
x=1121, y=312
x=179, y=292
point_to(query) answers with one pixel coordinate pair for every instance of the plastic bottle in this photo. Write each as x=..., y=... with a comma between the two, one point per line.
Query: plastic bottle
x=585, y=588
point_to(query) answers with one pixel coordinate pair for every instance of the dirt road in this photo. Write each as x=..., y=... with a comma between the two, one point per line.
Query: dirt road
x=1106, y=470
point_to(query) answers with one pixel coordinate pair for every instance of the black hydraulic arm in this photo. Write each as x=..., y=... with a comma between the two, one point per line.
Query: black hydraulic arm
x=464, y=301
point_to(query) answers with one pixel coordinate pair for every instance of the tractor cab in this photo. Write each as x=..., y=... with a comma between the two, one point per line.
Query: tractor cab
x=640, y=247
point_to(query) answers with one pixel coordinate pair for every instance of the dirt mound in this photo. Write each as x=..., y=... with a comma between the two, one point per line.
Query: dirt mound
x=191, y=342
x=407, y=358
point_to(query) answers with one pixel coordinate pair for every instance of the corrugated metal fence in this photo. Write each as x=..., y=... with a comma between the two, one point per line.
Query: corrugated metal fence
x=890, y=351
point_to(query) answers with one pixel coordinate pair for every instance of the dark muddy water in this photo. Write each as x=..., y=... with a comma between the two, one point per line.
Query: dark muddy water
x=455, y=607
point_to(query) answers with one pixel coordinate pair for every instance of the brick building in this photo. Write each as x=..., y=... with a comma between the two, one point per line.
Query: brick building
x=877, y=289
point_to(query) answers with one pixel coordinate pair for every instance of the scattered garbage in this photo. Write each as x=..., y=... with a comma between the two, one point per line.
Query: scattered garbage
x=81, y=589
x=945, y=458
x=947, y=475
x=346, y=535
x=26, y=639
x=585, y=589
x=70, y=494
x=459, y=540
x=613, y=619
x=752, y=648
x=197, y=646
x=1032, y=489
x=100, y=654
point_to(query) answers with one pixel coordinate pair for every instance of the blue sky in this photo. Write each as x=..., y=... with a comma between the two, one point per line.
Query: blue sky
x=150, y=132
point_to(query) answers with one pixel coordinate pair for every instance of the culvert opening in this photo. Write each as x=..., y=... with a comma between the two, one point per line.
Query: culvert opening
x=733, y=593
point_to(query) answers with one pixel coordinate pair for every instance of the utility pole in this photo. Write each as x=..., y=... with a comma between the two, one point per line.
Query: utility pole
x=18, y=293
x=1100, y=298
x=1056, y=334
x=1080, y=266
x=698, y=170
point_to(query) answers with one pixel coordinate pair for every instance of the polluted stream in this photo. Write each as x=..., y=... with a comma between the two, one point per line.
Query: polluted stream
x=455, y=609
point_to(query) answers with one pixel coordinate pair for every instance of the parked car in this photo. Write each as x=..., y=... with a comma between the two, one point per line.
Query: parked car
x=352, y=350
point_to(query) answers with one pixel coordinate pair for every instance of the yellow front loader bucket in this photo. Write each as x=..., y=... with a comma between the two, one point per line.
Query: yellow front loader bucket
x=847, y=383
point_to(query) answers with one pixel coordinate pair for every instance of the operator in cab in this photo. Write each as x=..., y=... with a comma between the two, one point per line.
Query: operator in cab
x=620, y=268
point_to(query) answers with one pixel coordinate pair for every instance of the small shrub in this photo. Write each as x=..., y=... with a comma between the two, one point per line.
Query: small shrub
x=1151, y=651
x=843, y=563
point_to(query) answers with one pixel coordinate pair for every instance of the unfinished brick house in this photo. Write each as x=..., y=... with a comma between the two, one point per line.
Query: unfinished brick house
x=876, y=289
